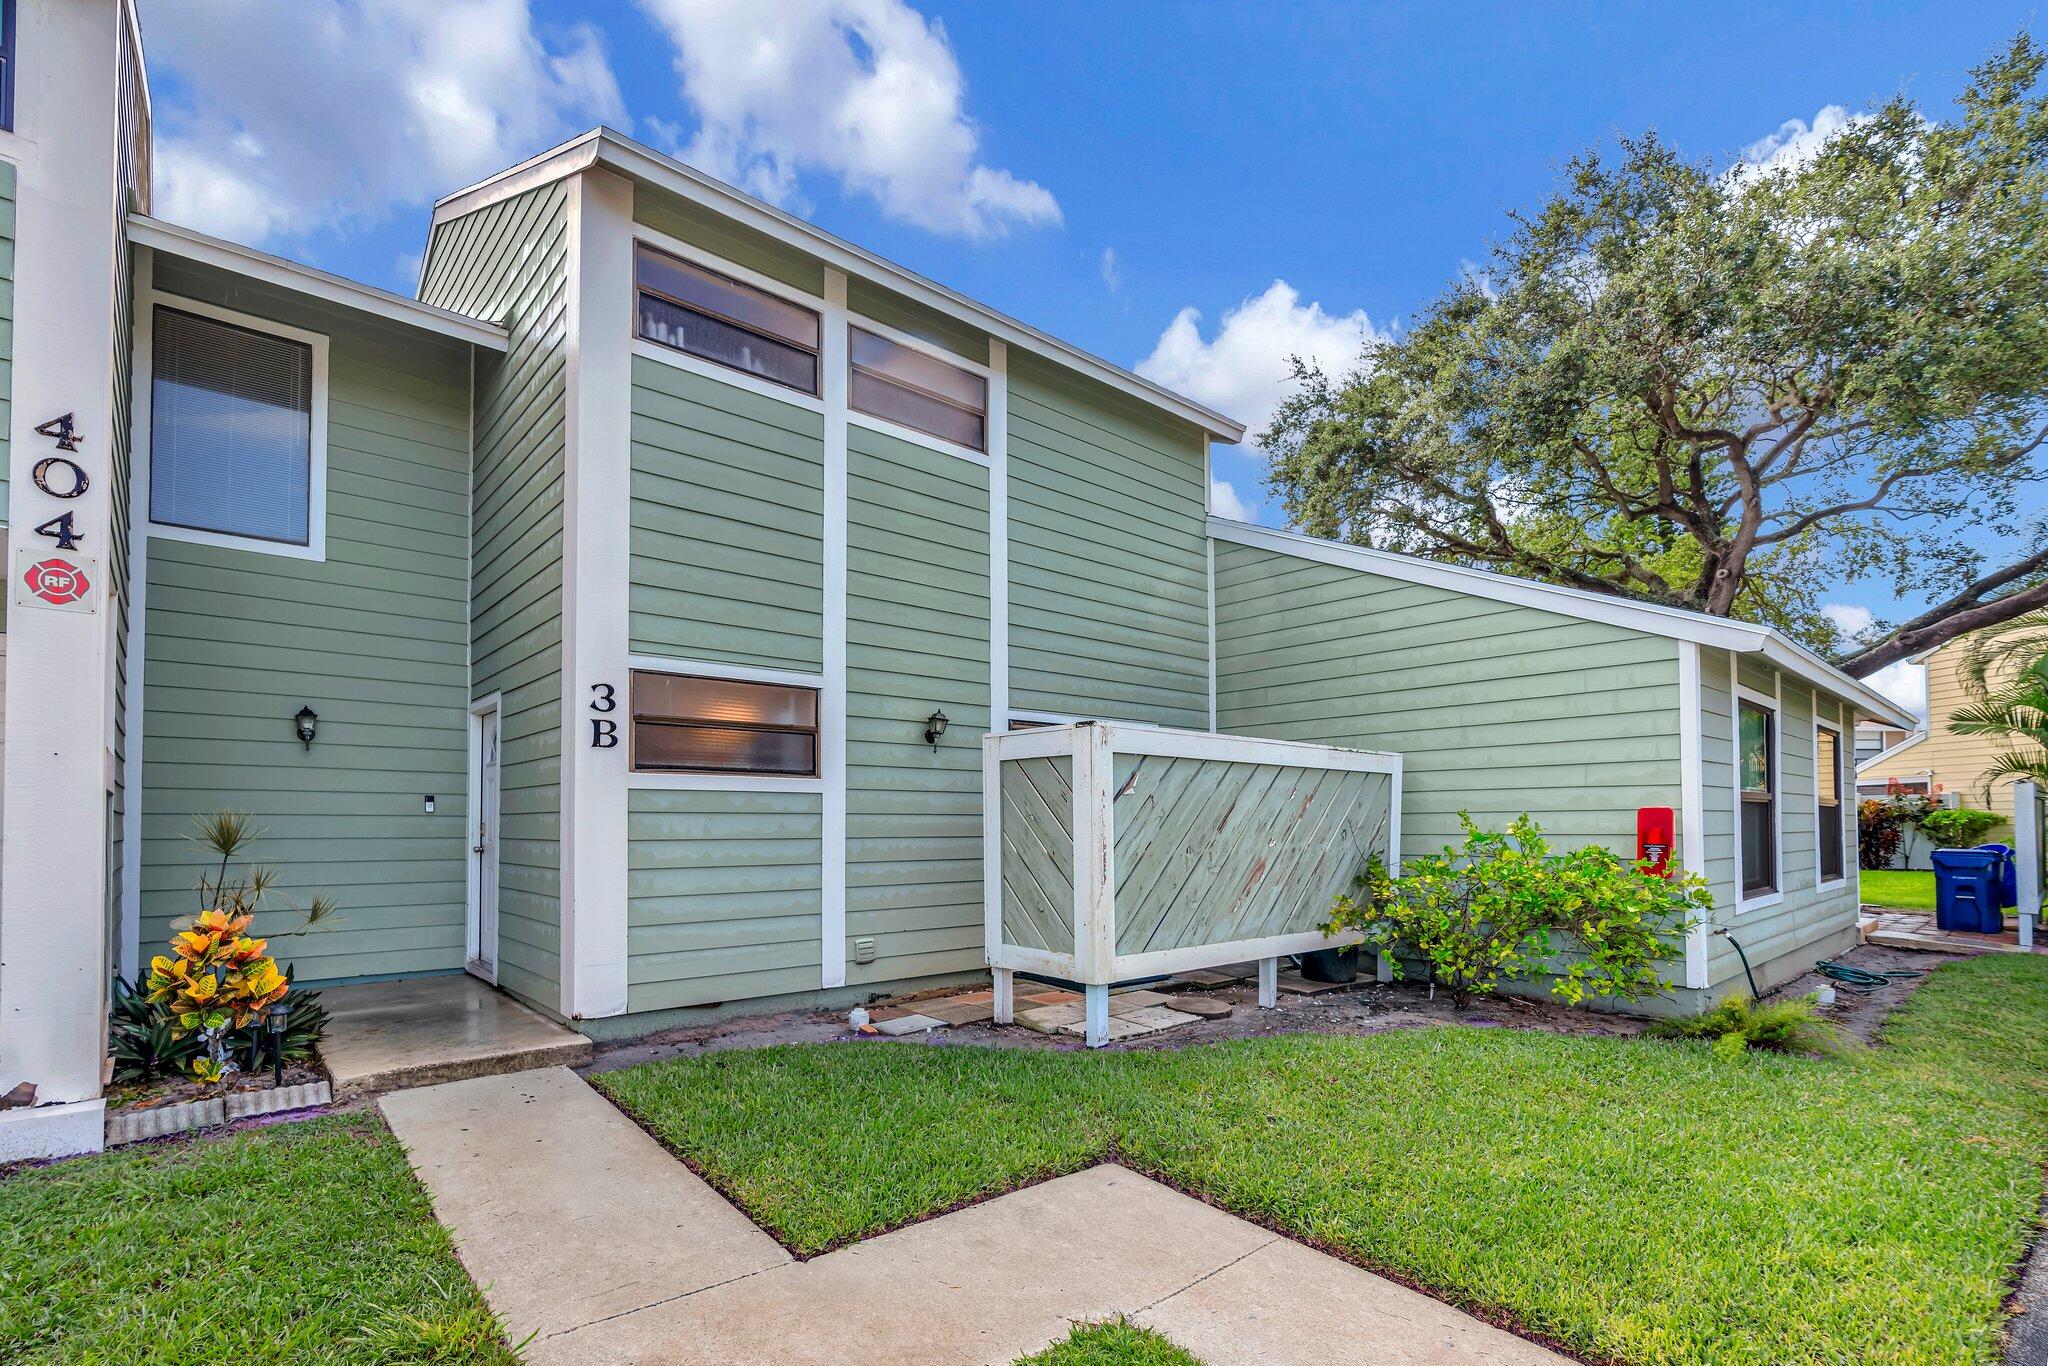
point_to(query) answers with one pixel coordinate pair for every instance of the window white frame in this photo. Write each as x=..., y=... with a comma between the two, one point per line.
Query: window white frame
x=911, y=342
x=1845, y=800
x=1772, y=703
x=732, y=782
x=753, y=279
x=144, y=399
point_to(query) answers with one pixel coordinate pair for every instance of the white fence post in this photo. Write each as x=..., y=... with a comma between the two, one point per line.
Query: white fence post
x=2027, y=853
x=1094, y=888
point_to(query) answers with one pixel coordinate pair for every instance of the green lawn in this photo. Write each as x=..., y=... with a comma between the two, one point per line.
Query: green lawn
x=1635, y=1199
x=1898, y=888
x=1117, y=1342
x=304, y=1242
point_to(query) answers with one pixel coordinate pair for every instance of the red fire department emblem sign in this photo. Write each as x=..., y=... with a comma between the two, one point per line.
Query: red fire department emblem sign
x=57, y=582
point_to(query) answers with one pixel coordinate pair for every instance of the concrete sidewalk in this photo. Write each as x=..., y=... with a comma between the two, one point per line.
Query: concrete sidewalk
x=581, y=1228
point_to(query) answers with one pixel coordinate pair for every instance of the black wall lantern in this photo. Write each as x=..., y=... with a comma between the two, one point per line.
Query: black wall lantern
x=303, y=725
x=934, y=727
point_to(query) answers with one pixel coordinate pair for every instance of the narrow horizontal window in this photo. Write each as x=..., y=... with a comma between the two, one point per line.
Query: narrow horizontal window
x=918, y=391
x=1757, y=756
x=686, y=724
x=704, y=314
x=231, y=429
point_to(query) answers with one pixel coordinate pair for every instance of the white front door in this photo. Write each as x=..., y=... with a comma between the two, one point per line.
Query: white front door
x=483, y=925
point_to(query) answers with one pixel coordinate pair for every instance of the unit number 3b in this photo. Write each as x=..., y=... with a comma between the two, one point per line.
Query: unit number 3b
x=604, y=731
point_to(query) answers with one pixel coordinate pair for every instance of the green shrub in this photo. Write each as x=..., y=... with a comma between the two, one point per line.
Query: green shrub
x=1494, y=909
x=1881, y=824
x=1957, y=827
x=1739, y=1024
x=146, y=1044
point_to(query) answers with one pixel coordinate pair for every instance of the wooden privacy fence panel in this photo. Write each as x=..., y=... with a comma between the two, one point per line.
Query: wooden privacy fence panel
x=1118, y=851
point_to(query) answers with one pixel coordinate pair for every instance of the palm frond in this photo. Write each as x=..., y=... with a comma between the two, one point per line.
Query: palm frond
x=2019, y=645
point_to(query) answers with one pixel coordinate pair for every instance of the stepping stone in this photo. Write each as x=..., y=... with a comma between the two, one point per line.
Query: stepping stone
x=1211, y=977
x=971, y=997
x=1134, y=999
x=1299, y=985
x=1049, y=996
x=1207, y=1007
x=1049, y=1019
x=1155, y=1018
x=908, y=1024
x=1119, y=1028
x=882, y=1013
x=957, y=1012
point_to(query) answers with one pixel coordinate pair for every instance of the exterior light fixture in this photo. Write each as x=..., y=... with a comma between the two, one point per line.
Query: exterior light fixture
x=303, y=725
x=934, y=727
x=275, y=1019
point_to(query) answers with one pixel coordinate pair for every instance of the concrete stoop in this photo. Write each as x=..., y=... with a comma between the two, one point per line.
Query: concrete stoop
x=385, y=1036
x=587, y=1233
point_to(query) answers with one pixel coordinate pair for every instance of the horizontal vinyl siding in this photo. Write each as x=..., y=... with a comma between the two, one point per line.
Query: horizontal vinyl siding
x=1958, y=762
x=1496, y=709
x=1807, y=912
x=724, y=896
x=676, y=216
x=373, y=639
x=509, y=263
x=727, y=523
x=917, y=641
x=1108, y=558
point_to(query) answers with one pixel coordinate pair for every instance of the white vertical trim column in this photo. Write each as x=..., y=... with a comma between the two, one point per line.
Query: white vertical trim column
x=2026, y=852
x=1094, y=826
x=1692, y=801
x=596, y=568
x=135, y=715
x=832, y=717
x=53, y=852
x=998, y=665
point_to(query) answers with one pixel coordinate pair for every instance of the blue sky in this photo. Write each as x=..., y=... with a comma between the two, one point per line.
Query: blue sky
x=1198, y=189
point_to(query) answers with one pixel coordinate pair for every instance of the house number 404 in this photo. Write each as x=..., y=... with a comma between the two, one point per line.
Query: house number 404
x=604, y=731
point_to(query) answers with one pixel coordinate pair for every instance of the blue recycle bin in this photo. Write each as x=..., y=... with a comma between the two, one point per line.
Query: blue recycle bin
x=1966, y=888
x=2008, y=875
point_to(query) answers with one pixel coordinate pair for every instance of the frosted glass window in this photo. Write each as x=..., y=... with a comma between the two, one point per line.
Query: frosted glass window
x=231, y=429
x=919, y=391
x=683, y=724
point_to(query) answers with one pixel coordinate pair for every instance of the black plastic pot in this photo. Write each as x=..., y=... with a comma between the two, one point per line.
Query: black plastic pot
x=1330, y=965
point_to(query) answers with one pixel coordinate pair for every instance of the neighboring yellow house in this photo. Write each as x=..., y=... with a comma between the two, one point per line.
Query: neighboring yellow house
x=1936, y=759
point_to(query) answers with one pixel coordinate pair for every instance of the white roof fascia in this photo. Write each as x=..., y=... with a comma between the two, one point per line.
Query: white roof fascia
x=630, y=158
x=1886, y=755
x=1716, y=632
x=236, y=259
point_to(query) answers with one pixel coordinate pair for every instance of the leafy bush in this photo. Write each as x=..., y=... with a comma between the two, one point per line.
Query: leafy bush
x=1739, y=1024
x=1492, y=909
x=1881, y=825
x=1957, y=827
x=146, y=1043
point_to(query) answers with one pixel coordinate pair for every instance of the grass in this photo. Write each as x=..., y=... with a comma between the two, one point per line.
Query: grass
x=1640, y=1200
x=1898, y=888
x=1114, y=1342
x=304, y=1242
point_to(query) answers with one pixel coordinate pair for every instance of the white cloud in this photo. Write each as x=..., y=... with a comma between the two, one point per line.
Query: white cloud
x=1225, y=501
x=1244, y=371
x=286, y=118
x=867, y=91
x=1796, y=141
x=1904, y=683
x=1112, y=269
x=1850, y=619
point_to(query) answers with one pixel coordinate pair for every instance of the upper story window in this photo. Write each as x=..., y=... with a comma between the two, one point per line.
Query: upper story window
x=685, y=724
x=1827, y=789
x=1756, y=753
x=704, y=314
x=918, y=391
x=233, y=448
x=7, y=64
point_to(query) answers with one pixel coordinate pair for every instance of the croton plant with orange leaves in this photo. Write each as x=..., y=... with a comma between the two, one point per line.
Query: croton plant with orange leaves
x=215, y=978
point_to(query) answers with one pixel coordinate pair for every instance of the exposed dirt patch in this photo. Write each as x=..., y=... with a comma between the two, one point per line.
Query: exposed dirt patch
x=1863, y=1013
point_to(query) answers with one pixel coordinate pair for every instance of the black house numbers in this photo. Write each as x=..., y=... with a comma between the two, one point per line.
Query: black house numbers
x=61, y=478
x=604, y=732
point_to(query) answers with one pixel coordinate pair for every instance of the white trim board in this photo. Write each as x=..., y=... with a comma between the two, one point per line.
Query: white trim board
x=834, y=375
x=173, y=240
x=639, y=162
x=1692, y=802
x=1719, y=632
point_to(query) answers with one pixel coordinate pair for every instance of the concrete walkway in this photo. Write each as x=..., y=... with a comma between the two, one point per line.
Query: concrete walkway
x=583, y=1229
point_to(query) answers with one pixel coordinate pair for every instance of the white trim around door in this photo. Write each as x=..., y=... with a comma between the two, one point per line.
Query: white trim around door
x=480, y=920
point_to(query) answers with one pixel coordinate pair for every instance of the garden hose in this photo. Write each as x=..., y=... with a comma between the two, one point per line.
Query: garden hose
x=1862, y=980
